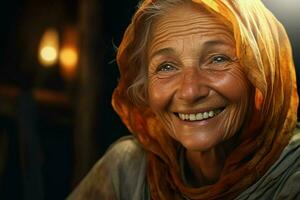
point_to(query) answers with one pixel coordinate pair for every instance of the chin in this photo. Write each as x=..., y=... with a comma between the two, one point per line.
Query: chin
x=198, y=143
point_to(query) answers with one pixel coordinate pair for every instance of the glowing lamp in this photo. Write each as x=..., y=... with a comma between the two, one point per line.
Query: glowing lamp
x=48, y=48
x=68, y=55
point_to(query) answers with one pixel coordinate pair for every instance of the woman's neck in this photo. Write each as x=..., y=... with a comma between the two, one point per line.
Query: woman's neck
x=205, y=167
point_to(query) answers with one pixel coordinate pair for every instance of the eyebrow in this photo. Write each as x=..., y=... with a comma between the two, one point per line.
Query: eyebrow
x=163, y=51
x=209, y=43
x=217, y=42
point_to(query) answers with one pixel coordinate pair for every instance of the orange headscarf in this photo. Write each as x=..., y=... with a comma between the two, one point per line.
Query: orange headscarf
x=265, y=54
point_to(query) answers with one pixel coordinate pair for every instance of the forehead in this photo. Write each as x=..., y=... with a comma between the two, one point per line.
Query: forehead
x=189, y=20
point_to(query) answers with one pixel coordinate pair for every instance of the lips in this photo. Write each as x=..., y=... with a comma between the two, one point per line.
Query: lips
x=199, y=116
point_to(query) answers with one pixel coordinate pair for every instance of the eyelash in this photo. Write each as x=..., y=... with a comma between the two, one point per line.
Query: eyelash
x=162, y=67
x=214, y=59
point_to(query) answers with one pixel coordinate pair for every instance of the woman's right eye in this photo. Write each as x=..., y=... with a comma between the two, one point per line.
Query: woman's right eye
x=166, y=67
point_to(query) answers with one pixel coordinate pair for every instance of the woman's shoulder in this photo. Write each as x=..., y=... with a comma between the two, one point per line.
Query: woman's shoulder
x=129, y=144
x=282, y=180
x=289, y=189
x=124, y=149
x=123, y=153
x=119, y=174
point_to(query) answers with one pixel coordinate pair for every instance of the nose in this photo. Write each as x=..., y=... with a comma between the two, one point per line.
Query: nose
x=193, y=87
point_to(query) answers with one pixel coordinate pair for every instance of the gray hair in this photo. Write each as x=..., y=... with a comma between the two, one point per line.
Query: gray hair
x=138, y=89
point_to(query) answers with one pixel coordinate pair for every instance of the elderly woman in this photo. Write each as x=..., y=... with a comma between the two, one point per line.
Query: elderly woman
x=208, y=90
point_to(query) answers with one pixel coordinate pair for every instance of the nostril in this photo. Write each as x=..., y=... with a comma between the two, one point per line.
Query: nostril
x=193, y=85
x=191, y=91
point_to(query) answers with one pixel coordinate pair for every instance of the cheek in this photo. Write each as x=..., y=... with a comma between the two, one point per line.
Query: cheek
x=234, y=86
x=156, y=97
x=237, y=89
x=160, y=92
x=234, y=119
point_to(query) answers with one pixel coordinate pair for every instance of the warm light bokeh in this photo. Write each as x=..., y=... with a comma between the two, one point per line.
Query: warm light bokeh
x=68, y=57
x=48, y=48
x=48, y=54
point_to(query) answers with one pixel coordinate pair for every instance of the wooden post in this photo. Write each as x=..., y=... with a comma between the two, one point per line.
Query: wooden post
x=87, y=108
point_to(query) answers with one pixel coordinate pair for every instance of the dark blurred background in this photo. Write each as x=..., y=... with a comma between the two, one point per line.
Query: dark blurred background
x=57, y=74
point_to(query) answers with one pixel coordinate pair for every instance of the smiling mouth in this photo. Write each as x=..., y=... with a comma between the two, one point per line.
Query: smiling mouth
x=199, y=116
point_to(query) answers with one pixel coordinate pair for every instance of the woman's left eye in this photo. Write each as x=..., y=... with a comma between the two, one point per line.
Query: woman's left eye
x=219, y=59
x=166, y=67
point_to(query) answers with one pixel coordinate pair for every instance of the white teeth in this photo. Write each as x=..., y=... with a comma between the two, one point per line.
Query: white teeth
x=192, y=117
x=199, y=116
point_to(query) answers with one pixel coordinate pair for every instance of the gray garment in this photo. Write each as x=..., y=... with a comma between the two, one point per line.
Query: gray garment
x=121, y=175
x=282, y=180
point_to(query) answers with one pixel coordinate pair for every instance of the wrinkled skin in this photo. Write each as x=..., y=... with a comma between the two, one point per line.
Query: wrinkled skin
x=193, y=68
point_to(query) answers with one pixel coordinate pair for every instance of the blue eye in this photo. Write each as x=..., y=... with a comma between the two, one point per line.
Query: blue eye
x=219, y=59
x=166, y=67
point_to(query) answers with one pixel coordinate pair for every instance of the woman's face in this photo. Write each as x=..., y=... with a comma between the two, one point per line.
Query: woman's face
x=196, y=85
